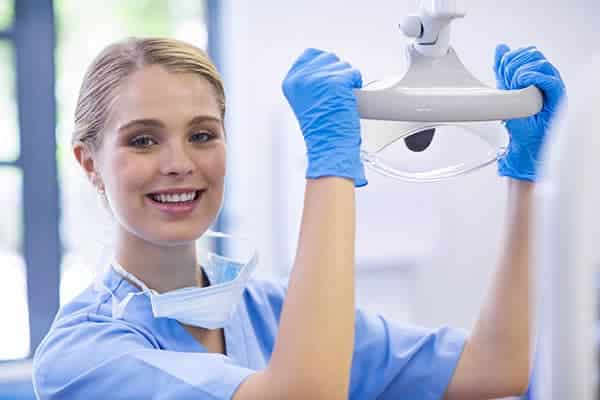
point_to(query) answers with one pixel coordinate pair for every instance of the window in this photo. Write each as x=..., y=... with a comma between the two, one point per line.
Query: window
x=7, y=9
x=44, y=224
x=9, y=151
x=14, y=342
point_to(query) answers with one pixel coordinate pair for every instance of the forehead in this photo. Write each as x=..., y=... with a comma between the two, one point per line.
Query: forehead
x=154, y=92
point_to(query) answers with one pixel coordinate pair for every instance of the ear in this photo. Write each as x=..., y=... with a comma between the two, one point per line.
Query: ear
x=85, y=158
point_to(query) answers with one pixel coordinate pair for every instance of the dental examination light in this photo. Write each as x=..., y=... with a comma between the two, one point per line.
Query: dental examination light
x=436, y=100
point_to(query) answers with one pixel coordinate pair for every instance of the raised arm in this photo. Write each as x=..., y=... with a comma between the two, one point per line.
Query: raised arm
x=313, y=351
x=495, y=362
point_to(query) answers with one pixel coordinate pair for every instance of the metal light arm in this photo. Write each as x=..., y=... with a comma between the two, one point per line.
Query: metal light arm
x=431, y=28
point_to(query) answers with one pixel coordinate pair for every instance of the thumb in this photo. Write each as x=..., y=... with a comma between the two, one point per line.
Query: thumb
x=552, y=87
x=501, y=49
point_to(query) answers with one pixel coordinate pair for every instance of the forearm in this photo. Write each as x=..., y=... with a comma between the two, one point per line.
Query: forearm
x=498, y=348
x=316, y=335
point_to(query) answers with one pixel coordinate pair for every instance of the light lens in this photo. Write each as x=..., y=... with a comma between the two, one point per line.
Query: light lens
x=429, y=153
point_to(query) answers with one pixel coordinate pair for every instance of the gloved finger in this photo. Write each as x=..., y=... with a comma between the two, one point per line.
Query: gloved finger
x=542, y=66
x=309, y=57
x=551, y=86
x=507, y=58
x=344, y=75
x=512, y=54
x=341, y=71
x=306, y=56
x=522, y=58
x=334, y=66
x=326, y=71
x=291, y=77
x=501, y=49
x=323, y=69
x=310, y=53
x=519, y=60
x=357, y=79
x=352, y=76
x=321, y=60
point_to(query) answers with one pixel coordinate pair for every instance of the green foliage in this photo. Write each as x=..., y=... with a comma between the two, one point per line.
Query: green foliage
x=128, y=18
x=83, y=28
x=6, y=13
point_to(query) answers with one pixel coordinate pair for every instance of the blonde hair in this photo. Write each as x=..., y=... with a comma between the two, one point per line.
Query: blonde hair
x=117, y=62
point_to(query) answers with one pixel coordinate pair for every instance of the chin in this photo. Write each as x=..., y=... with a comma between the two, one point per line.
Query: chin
x=162, y=235
x=181, y=236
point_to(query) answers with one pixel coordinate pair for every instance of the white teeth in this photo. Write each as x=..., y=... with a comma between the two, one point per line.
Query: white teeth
x=175, y=197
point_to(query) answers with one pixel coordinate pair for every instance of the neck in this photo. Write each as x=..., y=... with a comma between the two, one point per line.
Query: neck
x=162, y=268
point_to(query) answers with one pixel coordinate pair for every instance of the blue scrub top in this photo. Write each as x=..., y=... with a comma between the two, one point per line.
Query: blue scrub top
x=88, y=354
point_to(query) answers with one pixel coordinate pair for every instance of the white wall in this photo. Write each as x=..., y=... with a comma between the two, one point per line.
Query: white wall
x=443, y=238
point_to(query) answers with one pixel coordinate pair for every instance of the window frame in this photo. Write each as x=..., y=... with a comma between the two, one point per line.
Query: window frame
x=35, y=75
x=33, y=51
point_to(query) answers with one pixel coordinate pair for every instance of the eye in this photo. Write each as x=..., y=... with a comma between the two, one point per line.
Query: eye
x=201, y=137
x=142, y=141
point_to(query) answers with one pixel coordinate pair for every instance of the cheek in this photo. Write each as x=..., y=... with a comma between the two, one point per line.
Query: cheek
x=216, y=164
x=130, y=173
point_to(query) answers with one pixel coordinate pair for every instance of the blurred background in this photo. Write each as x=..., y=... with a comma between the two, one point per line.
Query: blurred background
x=425, y=252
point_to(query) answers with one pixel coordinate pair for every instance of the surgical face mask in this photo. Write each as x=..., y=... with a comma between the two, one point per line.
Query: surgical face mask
x=207, y=307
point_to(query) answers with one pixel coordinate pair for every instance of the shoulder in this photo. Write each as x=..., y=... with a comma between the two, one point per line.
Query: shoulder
x=83, y=325
x=77, y=343
x=83, y=335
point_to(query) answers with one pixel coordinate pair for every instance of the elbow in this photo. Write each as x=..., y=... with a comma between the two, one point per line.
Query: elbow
x=514, y=382
x=519, y=373
x=503, y=372
x=519, y=385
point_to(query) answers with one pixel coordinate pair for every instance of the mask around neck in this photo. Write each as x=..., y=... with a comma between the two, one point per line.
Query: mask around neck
x=228, y=263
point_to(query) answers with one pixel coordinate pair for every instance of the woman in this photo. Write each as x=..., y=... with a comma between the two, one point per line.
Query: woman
x=149, y=135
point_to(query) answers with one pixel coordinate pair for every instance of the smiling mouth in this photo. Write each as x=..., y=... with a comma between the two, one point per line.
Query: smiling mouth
x=175, y=198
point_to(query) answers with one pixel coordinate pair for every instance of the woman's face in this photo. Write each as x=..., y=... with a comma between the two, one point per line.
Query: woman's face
x=162, y=160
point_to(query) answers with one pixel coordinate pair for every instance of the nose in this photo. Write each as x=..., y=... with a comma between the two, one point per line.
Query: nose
x=176, y=160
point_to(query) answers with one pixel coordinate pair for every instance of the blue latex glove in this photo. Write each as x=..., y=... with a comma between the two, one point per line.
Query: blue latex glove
x=320, y=89
x=518, y=69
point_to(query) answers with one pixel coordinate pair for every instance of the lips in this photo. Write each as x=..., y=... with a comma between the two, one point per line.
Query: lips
x=175, y=197
x=175, y=203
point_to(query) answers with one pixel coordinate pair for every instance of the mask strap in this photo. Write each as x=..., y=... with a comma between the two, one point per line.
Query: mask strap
x=217, y=234
x=118, y=307
x=126, y=274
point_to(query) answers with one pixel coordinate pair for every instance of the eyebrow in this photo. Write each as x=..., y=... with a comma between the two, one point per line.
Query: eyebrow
x=155, y=123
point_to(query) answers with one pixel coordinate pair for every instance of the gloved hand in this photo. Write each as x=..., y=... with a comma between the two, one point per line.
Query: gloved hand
x=518, y=69
x=320, y=89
